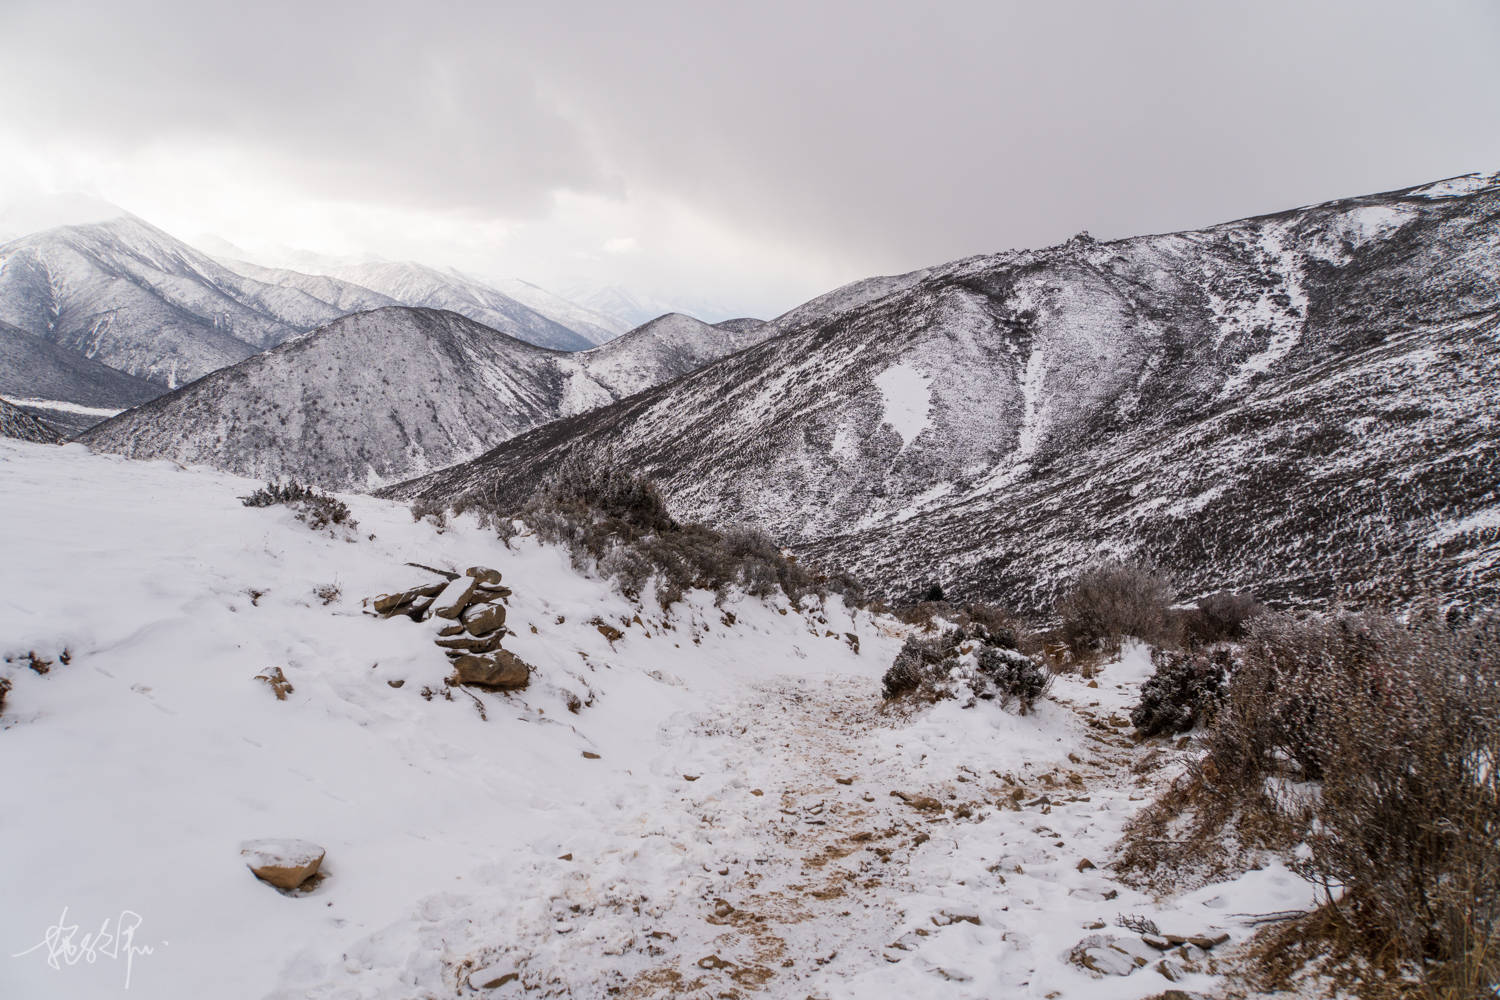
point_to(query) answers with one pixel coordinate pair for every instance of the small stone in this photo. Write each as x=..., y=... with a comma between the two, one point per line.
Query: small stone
x=565, y=857
x=844, y=781
x=484, y=575
x=492, y=977
x=286, y=864
x=456, y=596
x=590, y=755
x=397, y=683
x=277, y=681
x=501, y=669
x=922, y=803
x=756, y=792
x=691, y=777
x=1208, y=943
x=1085, y=865
x=609, y=631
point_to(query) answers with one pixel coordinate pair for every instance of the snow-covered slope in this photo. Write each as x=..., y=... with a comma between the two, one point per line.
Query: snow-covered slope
x=67, y=389
x=22, y=426
x=377, y=397
x=715, y=798
x=345, y=296
x=1299, y=403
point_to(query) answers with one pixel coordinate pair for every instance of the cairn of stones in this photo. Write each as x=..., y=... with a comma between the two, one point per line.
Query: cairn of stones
x=472, y=605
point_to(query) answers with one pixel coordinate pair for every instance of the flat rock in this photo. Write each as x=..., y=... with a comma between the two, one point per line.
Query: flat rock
x=286, y=864
x=471, y=644
x=457, y=595
x=1106, y=955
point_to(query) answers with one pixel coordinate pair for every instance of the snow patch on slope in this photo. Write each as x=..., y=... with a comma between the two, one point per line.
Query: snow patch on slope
x=907, y=397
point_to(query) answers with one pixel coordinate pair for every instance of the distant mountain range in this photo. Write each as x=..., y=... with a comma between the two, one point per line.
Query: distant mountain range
x=1299, y=404
x=378, y=396
x=118, y=293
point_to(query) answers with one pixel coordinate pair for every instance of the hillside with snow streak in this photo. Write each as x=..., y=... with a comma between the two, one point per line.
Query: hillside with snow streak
x=1285, y=403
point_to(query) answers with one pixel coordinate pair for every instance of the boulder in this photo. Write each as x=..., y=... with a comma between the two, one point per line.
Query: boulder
x=457, y=595
x=501, y=669
x=286, y=864
x=447, y=631
x=482, y=619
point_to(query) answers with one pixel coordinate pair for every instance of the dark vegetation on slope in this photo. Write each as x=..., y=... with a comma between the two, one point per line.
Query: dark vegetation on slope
x=618, y=525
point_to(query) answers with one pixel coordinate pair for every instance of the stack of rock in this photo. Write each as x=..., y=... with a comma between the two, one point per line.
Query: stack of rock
x=472, y=605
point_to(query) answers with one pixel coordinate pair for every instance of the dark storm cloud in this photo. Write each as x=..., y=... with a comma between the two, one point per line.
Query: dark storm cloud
x=882, y=135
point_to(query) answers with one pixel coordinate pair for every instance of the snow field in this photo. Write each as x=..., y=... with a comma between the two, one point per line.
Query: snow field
x=755, y=819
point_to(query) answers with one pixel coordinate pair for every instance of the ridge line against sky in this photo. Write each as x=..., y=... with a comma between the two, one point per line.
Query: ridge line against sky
x=748, y=157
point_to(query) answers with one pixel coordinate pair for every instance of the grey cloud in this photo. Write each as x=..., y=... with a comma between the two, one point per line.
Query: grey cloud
x=882, y=136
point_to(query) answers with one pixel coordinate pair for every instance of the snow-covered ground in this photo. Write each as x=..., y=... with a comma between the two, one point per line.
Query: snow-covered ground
x=749, y=821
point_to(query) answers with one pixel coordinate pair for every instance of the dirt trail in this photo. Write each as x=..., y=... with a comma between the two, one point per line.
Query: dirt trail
x=828, y=899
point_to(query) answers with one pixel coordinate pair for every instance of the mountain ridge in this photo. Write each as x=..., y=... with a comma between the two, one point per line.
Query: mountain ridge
x=376, y=396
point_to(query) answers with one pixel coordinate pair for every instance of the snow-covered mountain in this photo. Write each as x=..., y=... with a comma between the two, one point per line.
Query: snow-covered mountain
x=1301, y=404
x=418, y=285
x=383, y=395
x=634, y=308
x=127, y=295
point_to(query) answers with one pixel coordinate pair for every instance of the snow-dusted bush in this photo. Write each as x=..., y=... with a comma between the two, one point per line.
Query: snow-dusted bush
x=968, y=660
x=314, y=509
x=1014, y=677
x=1185, y=690
x=1113, y=600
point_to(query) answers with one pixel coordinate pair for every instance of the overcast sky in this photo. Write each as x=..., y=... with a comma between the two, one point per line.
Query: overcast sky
x=753, y=154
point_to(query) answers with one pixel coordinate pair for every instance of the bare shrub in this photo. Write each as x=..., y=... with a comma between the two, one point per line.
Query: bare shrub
x=1409, y=811
x=314, y=509
x=1398, y=723
x=1113, y=600
x=1221, y=617
x=328, y=592
x=617, y=523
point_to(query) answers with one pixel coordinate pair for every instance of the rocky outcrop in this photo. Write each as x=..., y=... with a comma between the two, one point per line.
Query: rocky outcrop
x=472, y=605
